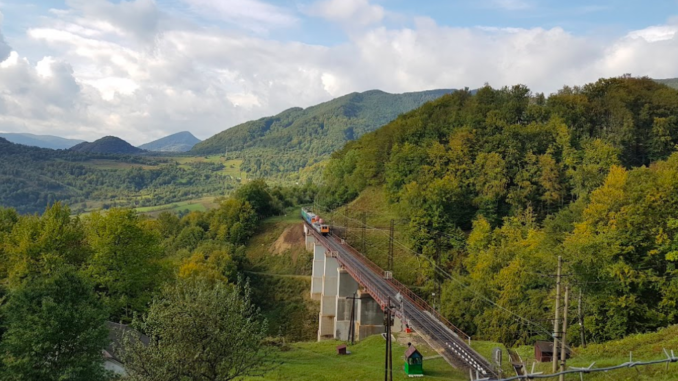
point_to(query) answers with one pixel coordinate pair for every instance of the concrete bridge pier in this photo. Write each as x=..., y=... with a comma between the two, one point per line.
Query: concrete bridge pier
x=318, y=270
x=328, y=299
x=369, y=317
x=346, y=289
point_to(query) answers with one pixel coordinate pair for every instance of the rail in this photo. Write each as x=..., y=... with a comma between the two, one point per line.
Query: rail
x=403, y=290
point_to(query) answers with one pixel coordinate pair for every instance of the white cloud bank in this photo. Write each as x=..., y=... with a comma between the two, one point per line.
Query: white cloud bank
x=130, y=70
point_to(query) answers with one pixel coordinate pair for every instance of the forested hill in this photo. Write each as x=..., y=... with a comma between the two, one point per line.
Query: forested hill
x=494, y=186
x=179, y=142
x=107, y=144
x=297, y=137
x=32, y=178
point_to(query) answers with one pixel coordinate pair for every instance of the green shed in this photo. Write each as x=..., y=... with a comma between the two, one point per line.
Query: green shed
x=414, y=362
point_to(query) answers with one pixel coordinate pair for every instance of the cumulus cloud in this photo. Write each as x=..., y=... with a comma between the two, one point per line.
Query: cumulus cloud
x=5, y=49
x=101, y=77
x=351, y=12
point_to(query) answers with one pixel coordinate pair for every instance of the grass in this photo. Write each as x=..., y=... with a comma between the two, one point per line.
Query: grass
x=645, y=347
x=318, y=361
x=231, y=167
x=200, y=205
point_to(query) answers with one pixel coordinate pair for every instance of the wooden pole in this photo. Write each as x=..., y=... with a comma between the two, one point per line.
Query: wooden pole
x=390, y=245
x=563, y=352
x=581, y=323
x=386, y=351
x=556, y=321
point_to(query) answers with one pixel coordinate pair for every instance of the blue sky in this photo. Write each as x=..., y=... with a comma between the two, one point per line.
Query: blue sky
x=142, y=69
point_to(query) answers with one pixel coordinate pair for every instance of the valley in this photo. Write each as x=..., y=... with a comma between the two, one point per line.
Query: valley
x=475, y=195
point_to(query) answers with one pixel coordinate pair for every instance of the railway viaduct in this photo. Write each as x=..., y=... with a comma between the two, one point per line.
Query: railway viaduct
x=343, y=276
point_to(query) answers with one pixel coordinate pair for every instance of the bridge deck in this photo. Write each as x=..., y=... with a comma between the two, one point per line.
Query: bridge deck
x=444, y=337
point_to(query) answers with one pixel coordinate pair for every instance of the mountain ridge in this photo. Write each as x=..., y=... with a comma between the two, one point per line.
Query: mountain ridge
x=41, y=141
x=299, y=137
x=179, y=142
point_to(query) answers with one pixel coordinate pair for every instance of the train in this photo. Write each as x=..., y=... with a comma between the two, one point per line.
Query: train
x=315, y=221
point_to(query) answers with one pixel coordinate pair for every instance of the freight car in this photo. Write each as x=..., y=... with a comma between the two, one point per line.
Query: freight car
x=315, y=221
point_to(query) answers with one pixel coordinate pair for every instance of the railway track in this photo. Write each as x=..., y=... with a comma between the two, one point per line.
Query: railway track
x=441, y=335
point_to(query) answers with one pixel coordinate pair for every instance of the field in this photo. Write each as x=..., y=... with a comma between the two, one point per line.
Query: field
x=200, y=205
x=231, y=167
x=313, y=361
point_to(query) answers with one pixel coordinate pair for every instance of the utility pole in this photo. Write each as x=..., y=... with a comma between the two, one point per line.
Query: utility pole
x=364, y=228
x=351, y=328
x=387, y=323
x=388, y=320
x=557, y=321
x=390, y=246
x=563, y=352
x=436, y=276
x=346, y=224
x=581, y=322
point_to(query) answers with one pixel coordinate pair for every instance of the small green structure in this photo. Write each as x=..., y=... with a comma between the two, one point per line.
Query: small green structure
x=414, y=362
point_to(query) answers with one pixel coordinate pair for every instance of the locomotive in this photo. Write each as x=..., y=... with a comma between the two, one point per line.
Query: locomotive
x=315, y=221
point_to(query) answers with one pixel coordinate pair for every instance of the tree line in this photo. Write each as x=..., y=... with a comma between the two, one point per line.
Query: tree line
x=176, y=280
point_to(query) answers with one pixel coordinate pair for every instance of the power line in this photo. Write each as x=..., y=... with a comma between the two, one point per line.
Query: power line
x=670, y=358
x=483, y=297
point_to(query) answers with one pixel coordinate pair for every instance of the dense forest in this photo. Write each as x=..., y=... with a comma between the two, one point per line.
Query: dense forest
x=62, y=277
x=298, y=138
x=32, y=178
x=494, y=186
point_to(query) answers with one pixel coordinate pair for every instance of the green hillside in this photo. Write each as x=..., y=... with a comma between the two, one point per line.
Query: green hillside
x=492, y=187
x=297, y=138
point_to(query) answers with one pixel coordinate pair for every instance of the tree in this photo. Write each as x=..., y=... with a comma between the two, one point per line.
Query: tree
x=199, y=332
x=126, y=261
x=40, y=245
x=256, y=193
x=55, y=331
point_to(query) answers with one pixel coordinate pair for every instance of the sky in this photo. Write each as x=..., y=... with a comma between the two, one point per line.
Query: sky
x=143, y=69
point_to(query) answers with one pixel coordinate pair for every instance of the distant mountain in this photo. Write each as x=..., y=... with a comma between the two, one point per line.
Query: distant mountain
x=108, y=144
x=179, y=142
x=297, y=138
x=670, y=82
x=42, y=141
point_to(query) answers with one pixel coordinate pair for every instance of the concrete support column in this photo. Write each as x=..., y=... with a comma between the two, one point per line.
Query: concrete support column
x=346, y=287
x=318, y=271
x=310, y=239
x=328, y=303
x=369, y=317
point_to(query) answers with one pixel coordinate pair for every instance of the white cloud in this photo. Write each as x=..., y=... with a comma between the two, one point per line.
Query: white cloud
x=255, y=15
x=351, y=12
x=103, y=77
x=655, y=33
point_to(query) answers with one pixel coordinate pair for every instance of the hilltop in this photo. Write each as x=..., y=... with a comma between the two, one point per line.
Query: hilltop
x=297, y=138
x=179, y=142
x=42, y=141
x=107, y=144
